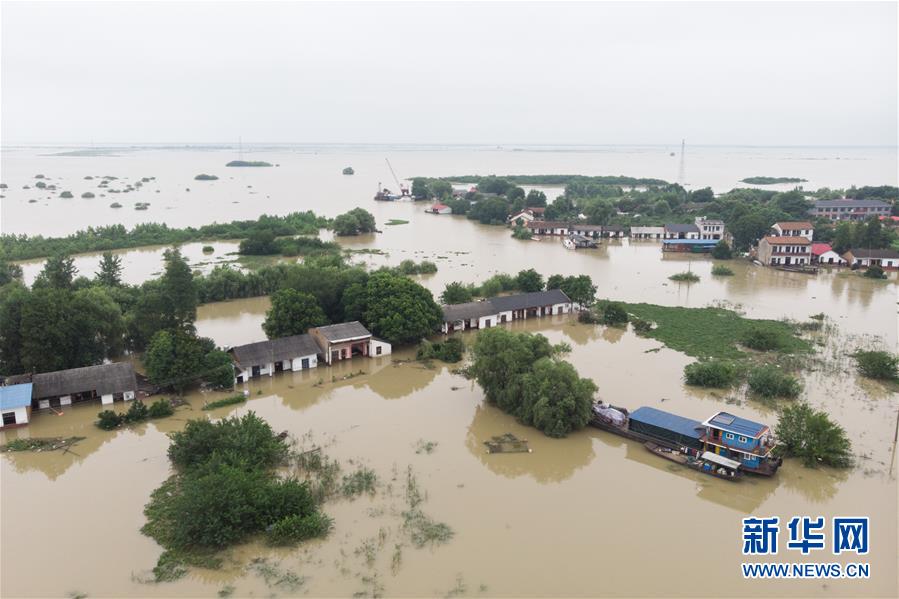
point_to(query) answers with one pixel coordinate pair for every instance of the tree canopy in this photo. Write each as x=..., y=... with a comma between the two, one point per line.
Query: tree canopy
x=292, y=313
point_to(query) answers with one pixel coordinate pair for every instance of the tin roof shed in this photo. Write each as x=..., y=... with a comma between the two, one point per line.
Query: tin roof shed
x=15, y=396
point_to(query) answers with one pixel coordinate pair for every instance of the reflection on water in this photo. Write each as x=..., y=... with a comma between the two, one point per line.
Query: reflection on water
x=550, y=460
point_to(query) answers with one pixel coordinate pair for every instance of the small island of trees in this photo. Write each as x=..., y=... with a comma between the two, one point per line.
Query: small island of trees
x=349, y=171
x=248, y=163
x=205, y=177
x=771, y=180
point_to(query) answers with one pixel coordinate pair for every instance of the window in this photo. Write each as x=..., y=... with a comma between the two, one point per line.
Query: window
x=729, y=436
x=743, y=439
x=9, y=418
x=378, y=351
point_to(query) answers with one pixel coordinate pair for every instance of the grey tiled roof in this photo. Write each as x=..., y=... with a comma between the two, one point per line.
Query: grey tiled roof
x=104, y=379
x=346, y=330
x=274, y=350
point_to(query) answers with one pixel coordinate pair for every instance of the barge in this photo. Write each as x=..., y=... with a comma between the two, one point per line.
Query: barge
x=744, y=445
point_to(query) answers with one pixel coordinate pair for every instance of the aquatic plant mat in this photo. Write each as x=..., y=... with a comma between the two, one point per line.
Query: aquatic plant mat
x=40, y=444
x=507, y=443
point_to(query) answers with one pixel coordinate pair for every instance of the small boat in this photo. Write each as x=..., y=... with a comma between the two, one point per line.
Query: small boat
x=708, y=463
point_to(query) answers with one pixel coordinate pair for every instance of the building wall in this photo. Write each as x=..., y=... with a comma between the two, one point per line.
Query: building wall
x=831, y=257
x=376, y=347
x=297, y=363
x=23, y=415
x=561, y=308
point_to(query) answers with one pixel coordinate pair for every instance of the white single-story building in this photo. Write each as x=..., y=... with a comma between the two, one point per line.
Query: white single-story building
x=505, y=308
x=297, y=352
x=343, y=341
x=822, y=253
x=863, y=258
x=647, y=232
x=106, y=382
x=440, y=208
x=15, y=405
x=681, y=231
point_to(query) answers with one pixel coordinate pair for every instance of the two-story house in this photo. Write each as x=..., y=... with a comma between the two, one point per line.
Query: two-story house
x=845, y=209
x=776, y=250
x=801, y=228
x=745, y=441
x=710, y=228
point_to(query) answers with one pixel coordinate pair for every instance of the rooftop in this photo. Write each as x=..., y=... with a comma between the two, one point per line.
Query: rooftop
x=820, y=248
x=795, y=224
x=343, y=331
x=734, y=424
x=690, y=241
x=522, y=301
x=848, y=203
x=15, y=396
x=105, y=379
x=682, y=228
x=879, y=254
x=467, y=311
x=668, y=421
x=274, y=350
x=787, y=240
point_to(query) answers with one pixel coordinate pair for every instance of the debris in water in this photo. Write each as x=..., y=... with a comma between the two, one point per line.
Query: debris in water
x=40, y=444
x=507, y=443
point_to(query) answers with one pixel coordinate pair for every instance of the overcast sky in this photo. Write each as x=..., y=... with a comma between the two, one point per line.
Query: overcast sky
x=760, y=73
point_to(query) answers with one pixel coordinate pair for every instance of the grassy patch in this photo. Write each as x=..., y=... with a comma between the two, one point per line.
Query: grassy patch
x=227, y=401
x=685, y=277
x=713, y=373
x=711, y=332
x=770, y=381
x=40, y=444
x=719, y=270
x=397, y=221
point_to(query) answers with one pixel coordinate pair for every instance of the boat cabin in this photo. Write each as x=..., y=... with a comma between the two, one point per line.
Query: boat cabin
x=750, y=443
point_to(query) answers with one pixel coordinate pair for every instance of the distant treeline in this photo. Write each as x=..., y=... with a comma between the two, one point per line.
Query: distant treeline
x=771, y=180
x=562, y=180
x=113, y=237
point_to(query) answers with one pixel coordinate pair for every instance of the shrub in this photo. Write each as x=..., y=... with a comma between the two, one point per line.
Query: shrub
x=719, y=270
x=66, y=195
x=521, y=233
x=247, y=441
x=877, y=364
x=450, y=350
x=762, y=339
x=614, y=313
x=227, y=401
x=811, y=436
x=875, y=272
x=296, y=528
x=722, y=251
x=713, y=373
x=587, y=317
x=160, y=409
x=109, y=420
x=208, y=249
x=87, y=195
x=685, y=277
x=641, y=327
x=769, y=381
x=137, y=412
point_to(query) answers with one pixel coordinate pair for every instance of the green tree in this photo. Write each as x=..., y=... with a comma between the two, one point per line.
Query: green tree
x=793, y=203
x=555, y=282
x=110, y=273
x=260, y=243
x=529, y=280
x=600, y=212
x=218, y=369
x=722, y=251
x=500, y=359
x=399, y=309
x=877, y=364
x=515, y=193
x=556, y=400
x=702, y=195
x=179, y=291
x=456, y=293
x=59, y=272
x=490, y=211
x=748, y=229
x=579, y=289
x=441, y=190
x=420, y=189
x=13, y=299
x=810, y=435
x=9, y=272
x=535, y=199
x=843, y=238
x=292, y=313
x=345, y=225
x=174, y=359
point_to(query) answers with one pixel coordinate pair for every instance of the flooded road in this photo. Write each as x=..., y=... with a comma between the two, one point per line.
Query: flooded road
x=586, y=515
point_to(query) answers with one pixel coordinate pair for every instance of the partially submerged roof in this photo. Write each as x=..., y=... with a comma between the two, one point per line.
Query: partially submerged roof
x=343, y=331
x=734, y=424
x=668, y=421
x=681, y=228
x=787, y=240
x=15, y=396
x=523, y=301
x=274, y=350
x=467, y=311
x=792, y=224
x=105, y=379
x=879, y=254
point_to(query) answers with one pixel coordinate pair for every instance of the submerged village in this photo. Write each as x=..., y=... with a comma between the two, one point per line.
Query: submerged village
x=381, y=421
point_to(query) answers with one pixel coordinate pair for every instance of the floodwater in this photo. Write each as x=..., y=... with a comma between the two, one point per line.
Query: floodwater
x=592, y=514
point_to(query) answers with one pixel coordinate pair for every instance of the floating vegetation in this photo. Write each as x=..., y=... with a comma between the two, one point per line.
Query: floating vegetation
x=425, y=446
x=227, y=401
x=142, y=205
x=507, y=443
x=685, y=277
x=719, y=270
x=363, y=480
x=397, y=221
x=771, y=180
x=38, y=444
x=421, y=528
x=275, y=576
x=205, y=177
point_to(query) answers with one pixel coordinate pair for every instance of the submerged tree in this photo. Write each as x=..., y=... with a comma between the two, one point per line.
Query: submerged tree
x=292, y=313
x=810, y=435
x=110, y=273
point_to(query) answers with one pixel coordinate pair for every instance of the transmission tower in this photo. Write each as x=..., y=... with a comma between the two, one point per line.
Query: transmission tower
x=680, y=174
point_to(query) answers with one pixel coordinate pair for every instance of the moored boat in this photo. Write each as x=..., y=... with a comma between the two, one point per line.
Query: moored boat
x=707, y=463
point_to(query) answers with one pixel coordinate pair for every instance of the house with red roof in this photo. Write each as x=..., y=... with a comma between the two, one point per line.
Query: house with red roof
x=439, y=208
x=822, y=253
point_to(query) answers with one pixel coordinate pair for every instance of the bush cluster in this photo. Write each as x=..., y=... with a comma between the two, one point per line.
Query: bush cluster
x=877, y=364
x=763, y=339
x=137, y=412
x=712, y=373
x=769, y=381
x=450, y=350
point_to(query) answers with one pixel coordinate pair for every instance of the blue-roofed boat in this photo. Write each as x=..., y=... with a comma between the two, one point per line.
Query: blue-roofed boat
x=722, y=444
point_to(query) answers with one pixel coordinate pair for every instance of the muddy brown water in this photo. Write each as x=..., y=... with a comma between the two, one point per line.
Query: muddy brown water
x=593, y=514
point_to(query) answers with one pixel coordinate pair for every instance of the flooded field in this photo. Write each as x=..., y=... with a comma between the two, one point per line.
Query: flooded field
x=587, y=515
x=580, y=516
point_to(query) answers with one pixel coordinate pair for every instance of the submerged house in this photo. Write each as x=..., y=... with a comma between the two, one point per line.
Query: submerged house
x=845, y=209
x=690, y=246
x=822, y=253
x=15, y=405
x=297, y=352
x=793, y=229
x=710, y=228
x=439, y=208
x=784, y=251
x=647, y=232
x=547, y=227
x=863, y=258
x=681, y=231
x=343, y=341
x=506, y=308
x=106, y=382
x=745, y=441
